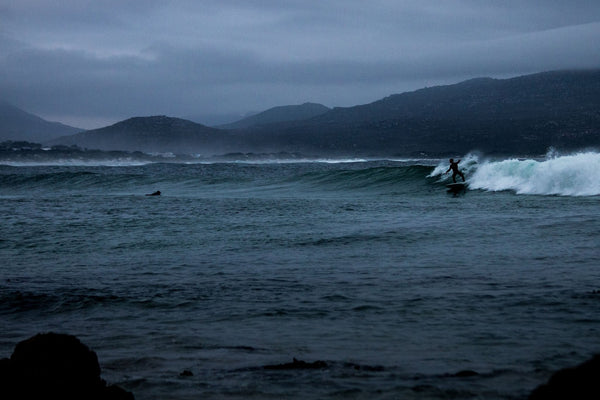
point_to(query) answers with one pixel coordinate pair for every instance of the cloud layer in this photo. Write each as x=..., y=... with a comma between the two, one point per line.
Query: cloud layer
x=94, y=62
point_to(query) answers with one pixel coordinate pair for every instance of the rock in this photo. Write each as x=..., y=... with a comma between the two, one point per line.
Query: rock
x=52, y=365
x=186, y=372
x=580, y=382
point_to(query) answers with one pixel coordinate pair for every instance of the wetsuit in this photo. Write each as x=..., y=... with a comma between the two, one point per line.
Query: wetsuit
x=455, y=171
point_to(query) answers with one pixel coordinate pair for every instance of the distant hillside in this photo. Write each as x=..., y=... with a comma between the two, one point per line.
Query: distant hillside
x=215, y=120
x=522, y=115
x=16, y=124
x=280, y=114
x=518, y=116
x=150, y=134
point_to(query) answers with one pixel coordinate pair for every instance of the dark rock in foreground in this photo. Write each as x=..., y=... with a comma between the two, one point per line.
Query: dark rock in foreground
x=581, y=382
x=59, y=366
x=52, y=365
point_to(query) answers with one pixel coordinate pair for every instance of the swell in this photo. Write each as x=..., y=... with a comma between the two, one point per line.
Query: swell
x=78, y=299
x=182, y=177
x=16, y=301
x=566, y=175
x=367, y=178
x=21, y=179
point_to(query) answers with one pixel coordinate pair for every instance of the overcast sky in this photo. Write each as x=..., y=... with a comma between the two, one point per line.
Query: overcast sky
x=90, y=63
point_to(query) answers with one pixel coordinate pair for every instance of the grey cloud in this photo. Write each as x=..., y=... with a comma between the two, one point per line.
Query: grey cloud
x=117, y=59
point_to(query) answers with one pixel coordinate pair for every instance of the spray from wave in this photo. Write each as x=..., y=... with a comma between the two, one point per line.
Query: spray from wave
x=569, y=175
x=564, y=175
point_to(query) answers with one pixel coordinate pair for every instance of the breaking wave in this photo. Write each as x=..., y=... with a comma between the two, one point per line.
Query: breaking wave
x=569, y=175
x=565, y=175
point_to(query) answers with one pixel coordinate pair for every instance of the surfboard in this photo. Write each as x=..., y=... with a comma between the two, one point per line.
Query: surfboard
x=455, y=187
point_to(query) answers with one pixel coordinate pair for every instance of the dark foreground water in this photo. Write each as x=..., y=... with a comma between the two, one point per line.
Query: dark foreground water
x=371, y=267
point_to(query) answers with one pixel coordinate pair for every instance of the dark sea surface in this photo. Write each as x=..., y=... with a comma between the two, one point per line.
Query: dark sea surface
x=370, y=266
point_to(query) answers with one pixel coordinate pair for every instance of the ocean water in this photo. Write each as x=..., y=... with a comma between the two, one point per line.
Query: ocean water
x=368, y=265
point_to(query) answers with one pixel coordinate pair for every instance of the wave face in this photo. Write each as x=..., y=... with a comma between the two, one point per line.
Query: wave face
x=570, y=175
x=221, y=178
x=564, y=175
x=382, y=177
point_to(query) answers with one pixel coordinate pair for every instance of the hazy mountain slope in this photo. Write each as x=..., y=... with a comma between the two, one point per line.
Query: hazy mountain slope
x=544, y=94
x=16, y=124
x=526, y=114
x=150, y=134
x=280, y=114
x=522, y=115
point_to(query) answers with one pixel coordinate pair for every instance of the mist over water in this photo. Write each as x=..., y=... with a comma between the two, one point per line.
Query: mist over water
x=369, y=265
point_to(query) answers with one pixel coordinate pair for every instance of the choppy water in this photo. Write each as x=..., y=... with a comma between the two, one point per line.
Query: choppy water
x=370, y=266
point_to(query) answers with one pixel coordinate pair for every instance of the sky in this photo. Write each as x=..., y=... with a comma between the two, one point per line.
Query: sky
x=91, y=63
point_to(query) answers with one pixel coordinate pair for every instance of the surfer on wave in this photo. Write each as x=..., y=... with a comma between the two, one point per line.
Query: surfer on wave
x=455, y=171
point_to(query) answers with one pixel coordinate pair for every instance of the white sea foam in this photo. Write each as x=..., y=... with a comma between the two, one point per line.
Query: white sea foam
x=306, y=161
x=568, y=175
x=76, y=163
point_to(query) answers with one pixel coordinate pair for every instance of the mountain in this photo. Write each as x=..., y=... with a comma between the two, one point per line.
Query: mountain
x=215, y=120
x=16, y=124
x=279, y=114
x=522, y=115
x=150, y=134
x=519, y=116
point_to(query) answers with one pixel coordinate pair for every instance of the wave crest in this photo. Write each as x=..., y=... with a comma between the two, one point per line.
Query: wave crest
x=567, y=175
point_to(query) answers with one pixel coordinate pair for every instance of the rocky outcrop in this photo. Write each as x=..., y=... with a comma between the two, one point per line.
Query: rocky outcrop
x=52, y=365
x=580, y=382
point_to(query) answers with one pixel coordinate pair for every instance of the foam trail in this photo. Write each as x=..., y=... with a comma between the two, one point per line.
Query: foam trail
x=76, y=163
x=571, y=175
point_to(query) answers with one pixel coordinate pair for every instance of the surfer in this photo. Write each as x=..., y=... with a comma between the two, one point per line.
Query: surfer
x=455, y=171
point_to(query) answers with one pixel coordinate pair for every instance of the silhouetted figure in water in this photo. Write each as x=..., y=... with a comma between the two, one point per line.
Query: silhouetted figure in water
x=455, y=171
x=157, y=193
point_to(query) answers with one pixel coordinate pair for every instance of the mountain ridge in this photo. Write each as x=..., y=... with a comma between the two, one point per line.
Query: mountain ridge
x=157, y=133
x=520, y=115
x=524, y=115
x=279, y=114
x=17, y=124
